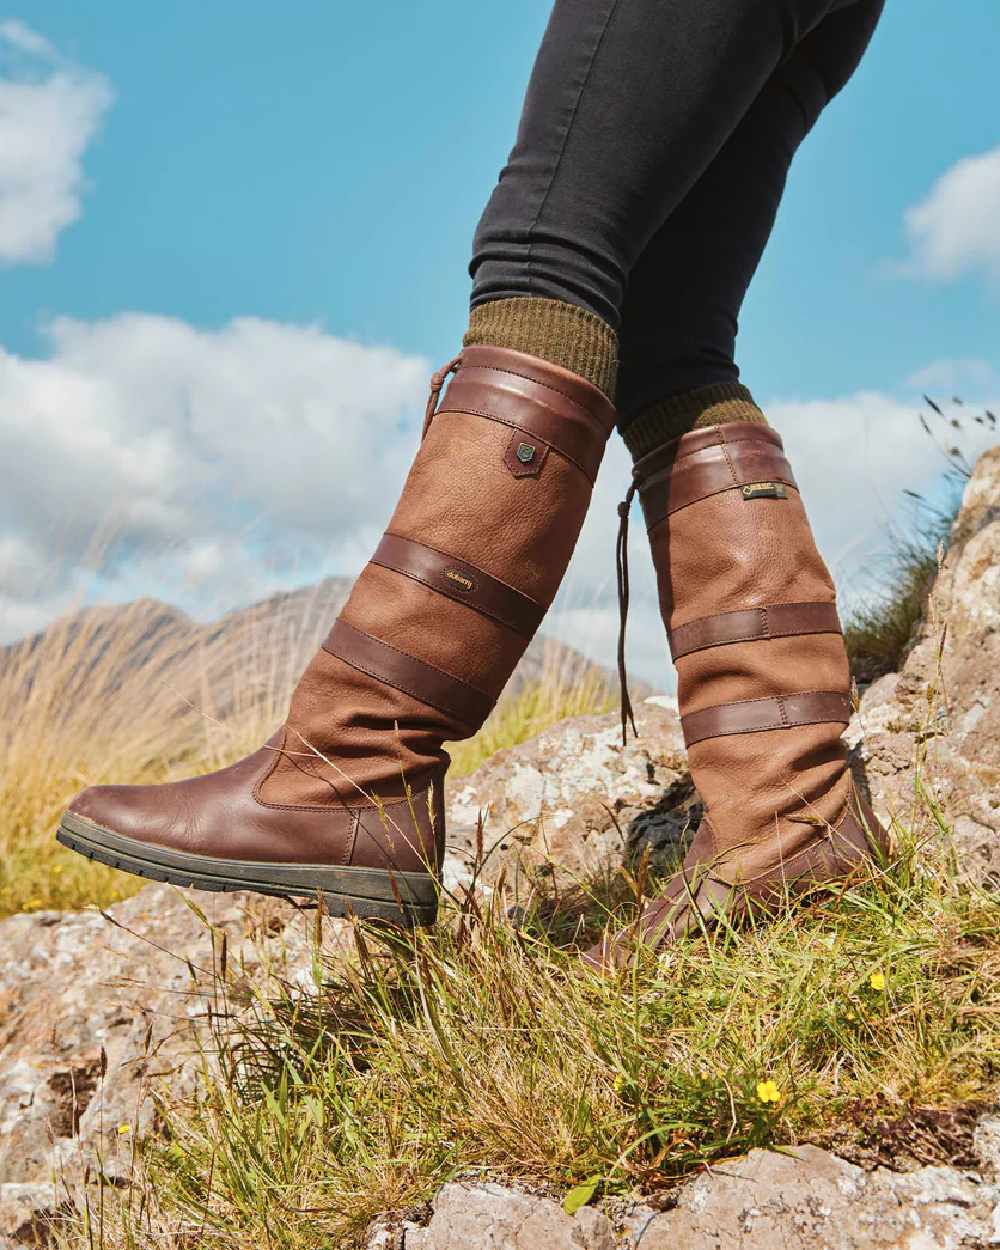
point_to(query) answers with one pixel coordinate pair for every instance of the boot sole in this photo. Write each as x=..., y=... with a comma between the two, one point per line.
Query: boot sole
x=404, y=898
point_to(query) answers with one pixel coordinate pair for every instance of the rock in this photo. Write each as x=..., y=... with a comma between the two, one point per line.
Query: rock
x=945, y=701
x=24, y=1210
x=808, y=1199
x=465, y=1217
x=95, y=1010
x=574, y=799
x=800, y=1199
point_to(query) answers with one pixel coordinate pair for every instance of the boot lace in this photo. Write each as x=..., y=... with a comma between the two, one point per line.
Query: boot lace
x=621, y=569
x=437, y=385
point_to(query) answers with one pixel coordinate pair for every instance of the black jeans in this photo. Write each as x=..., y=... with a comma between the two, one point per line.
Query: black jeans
x=650, y=160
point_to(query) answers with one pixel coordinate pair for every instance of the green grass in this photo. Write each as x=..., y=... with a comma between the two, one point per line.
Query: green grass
x=478, y=1048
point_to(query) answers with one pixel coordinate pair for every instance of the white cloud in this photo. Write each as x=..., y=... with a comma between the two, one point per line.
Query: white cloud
x=204, y=467
x=50, y=109
x=955, y=229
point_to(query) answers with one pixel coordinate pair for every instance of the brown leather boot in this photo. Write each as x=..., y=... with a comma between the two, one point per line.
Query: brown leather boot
x=763, y=681
x=346, y=800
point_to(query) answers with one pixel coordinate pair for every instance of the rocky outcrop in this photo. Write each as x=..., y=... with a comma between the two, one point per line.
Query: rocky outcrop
x=97, y=1011
x=935, y=725
x=574, y=800
x=800, y=1199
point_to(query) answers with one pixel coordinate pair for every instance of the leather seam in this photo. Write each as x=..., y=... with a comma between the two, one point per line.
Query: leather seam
x=764, y=637
x=787, y=694
x=792, y=603
x=546, y=385
x=729, y=460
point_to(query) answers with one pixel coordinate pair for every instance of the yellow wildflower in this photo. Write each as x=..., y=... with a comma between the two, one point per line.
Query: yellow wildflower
x=877, y=981
x=124, y=1128
x=767, y=1091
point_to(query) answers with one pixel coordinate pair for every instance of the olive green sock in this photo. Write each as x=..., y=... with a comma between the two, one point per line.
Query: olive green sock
x=669, y=418
x=560, y=333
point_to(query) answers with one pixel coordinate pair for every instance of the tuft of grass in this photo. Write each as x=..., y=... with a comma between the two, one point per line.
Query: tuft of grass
x=881, y=629
x=478, y=1048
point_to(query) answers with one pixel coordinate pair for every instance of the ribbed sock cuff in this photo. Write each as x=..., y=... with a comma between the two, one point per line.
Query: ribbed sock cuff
x=669, y=418
x=560, y=333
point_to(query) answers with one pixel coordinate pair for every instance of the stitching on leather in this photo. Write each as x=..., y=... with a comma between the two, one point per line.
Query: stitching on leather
x=729, y=461
x=765, y=698
x=490, y=416
x=767, y=632
x=403, y=689
x=825, y=836
x=547, y=386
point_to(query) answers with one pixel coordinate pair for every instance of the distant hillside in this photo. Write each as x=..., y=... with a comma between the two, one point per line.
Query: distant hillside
x=249, y=652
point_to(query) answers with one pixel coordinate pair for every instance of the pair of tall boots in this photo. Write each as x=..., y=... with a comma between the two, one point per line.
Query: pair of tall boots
x=346, y=800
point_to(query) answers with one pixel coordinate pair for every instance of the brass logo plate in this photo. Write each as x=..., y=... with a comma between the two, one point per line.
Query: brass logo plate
x=765, y=490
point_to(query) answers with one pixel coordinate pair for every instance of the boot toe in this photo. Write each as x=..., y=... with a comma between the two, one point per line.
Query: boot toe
x=121, y=809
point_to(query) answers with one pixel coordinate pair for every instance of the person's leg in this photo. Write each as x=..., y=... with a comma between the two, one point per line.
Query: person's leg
x=677, y=366
x=749, y=606
x=627, y=106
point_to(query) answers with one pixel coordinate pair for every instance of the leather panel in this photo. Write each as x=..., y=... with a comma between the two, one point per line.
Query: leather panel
x=534, y=414
x=418, y=621
x=721, y=468
x=516, y=539
x=232, y=824
x=760, y=669
x=560, y=386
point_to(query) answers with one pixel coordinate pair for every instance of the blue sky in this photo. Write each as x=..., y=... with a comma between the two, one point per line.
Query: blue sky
x=323, y=165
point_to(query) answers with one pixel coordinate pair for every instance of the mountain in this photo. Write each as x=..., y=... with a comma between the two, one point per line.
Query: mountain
x=249, y=653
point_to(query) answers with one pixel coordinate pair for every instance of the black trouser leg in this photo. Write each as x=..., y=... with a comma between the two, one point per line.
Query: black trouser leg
x=629, y=103
x=685, y=292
